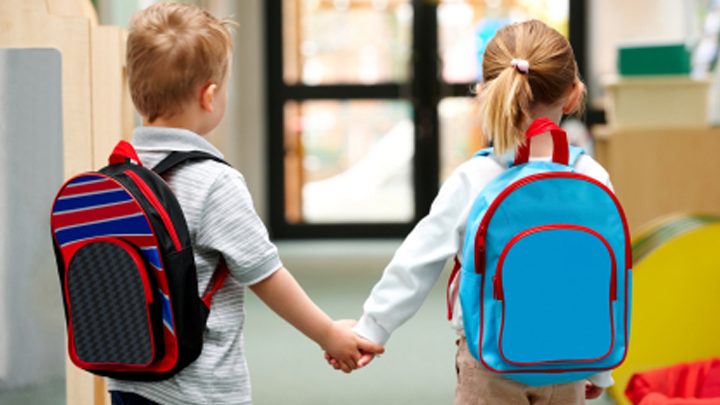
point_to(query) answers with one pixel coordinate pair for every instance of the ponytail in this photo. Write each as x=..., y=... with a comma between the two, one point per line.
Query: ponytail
x=505, y=109
x=511, y=87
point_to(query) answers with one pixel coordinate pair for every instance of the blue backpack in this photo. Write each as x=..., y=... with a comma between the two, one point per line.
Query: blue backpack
x=545, y=281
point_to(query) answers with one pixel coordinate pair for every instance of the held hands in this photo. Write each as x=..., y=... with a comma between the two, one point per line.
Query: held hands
x=345, y=350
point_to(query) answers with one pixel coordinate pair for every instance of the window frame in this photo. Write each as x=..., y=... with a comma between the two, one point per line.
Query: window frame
x=424, y=90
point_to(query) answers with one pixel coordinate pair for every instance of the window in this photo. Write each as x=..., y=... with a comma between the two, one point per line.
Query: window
x=370, y=105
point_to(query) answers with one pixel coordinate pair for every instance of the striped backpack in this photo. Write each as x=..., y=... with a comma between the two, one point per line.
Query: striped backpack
x=127, y=270
x=545, y=281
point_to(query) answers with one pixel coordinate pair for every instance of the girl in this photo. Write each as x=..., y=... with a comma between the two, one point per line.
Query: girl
x=529, y=71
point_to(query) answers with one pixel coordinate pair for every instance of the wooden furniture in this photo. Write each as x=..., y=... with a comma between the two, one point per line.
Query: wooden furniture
x=96, y=108
x=656, y=172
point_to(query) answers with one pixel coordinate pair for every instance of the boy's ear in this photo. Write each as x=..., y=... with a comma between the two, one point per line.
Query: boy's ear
x=207, y=96
x=574, y=97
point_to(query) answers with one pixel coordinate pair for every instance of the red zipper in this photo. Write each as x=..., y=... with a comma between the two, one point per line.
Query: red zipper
x=499, y=294
x=451, y=296
x=148, y=193
x=482, y=229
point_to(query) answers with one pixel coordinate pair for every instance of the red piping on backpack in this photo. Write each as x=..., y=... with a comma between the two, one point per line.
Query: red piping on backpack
x=499, y=294
x=216, y=282
x=451, y=296
x=148, y=193
x=550, y=362
x=480, y=263
x=169, y=339
x=482, y=228
x=72, y=348
x=548, y=371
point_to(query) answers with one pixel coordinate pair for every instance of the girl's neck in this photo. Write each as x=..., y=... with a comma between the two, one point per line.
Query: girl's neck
x=542, y=145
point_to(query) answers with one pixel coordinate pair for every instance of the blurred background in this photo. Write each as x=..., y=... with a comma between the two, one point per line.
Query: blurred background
x=345, y=117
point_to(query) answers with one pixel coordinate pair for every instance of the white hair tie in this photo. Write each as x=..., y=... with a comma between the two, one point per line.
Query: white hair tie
x=522, y=65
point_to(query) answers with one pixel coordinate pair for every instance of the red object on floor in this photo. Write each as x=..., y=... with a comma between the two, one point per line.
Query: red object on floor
x=696, y=383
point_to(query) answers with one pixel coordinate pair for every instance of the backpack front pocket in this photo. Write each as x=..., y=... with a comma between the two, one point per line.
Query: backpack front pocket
x=553, y=308
x=114, y=321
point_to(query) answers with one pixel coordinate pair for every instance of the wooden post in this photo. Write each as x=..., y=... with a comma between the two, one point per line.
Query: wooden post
x=661, y=171
x=96, y=107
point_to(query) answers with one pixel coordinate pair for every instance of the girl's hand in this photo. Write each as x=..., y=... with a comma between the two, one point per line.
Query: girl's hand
x=347, y=351
x=364, y=360
x=592, y=391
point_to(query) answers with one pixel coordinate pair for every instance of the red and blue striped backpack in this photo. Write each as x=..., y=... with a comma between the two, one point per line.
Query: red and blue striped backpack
x=545, y=280
x=127, y=270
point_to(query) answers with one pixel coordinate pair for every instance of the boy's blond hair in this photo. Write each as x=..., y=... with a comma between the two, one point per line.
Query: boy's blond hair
x=172, y=50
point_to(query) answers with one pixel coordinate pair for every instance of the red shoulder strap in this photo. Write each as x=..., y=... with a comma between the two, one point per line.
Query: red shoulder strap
x=561, y=150
x=216, y=282
x=451, y=292
x=122, y=153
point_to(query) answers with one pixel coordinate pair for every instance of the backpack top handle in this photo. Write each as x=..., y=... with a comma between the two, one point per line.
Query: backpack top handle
x=124, y=153
x=561, y=154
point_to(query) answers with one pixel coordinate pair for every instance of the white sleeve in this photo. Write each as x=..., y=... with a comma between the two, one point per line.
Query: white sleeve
x=590, y=167
x=603, y=379
x=417, y=264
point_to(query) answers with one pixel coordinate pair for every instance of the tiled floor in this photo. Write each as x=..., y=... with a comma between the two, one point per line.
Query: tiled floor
x=48, y=393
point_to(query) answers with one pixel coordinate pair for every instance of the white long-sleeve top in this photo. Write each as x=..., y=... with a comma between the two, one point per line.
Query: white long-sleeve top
x=419, y=261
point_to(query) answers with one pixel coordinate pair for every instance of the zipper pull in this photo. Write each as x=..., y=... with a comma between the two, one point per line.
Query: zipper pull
x=480, y=251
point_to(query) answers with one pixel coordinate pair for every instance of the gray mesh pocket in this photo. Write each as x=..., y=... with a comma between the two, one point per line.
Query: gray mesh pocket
x=109, y=306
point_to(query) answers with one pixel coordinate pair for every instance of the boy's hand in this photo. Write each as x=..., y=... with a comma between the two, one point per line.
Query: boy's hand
x=282, y=293
x=364, y=360
x=592, y=391
x=347, y=351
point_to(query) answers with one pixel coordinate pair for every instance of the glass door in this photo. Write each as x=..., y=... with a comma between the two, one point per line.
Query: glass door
x=371, y=105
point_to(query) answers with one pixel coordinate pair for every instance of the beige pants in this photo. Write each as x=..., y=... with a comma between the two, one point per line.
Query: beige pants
x=478, y=386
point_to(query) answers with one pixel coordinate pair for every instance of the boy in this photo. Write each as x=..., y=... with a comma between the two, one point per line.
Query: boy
x=178, y=59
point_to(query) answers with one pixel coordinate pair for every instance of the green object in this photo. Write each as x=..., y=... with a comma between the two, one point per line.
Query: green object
x=649, y=60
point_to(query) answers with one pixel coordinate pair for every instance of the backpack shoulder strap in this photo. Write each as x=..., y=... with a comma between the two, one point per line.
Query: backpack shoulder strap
x=507, y=161
x=175, y=158
x=575, y=154
x=504, y=160
x=484, y=152
x=216, y=282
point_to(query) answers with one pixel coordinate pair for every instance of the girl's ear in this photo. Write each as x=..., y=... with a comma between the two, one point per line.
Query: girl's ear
x=575, y=96
x=207, y=96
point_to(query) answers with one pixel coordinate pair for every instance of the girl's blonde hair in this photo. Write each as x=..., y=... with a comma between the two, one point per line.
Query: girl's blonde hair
x=172, y=49
x=508, y=92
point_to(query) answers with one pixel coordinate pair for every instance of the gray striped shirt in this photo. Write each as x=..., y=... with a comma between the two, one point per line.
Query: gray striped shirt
x=221, y=218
